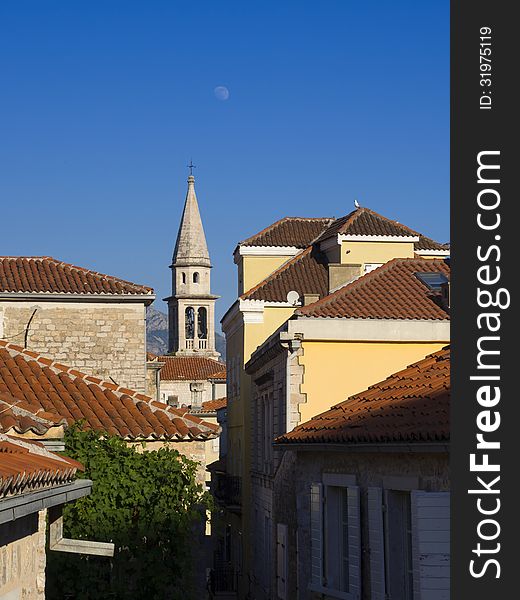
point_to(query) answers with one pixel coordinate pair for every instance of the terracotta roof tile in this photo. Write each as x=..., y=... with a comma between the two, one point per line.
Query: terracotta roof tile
x=28, y=466
x=73, y=396
x=219, y=375
x=306, y=273
x=19, y=417
x=392, y=291
x=44, y=274
x=190, y=368
x=412, y=405
x=297, y=232
x=425, y=243
x=214, y=405
x=364, y=221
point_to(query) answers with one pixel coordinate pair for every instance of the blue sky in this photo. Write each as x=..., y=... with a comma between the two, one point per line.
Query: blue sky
x=103, y=103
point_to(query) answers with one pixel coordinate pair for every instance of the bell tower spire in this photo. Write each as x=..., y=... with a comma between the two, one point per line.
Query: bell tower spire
x=191, y=307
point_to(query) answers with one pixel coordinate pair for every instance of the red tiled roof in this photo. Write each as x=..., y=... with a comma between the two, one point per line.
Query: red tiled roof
x=214, y=405
x=306, y=273
x=44, y=274
x=27, y=466
x=104, y=406
x=189, y=368
x=412, y=405
x=426, y=243
x=297, y=232
x=16, y=416
x=391, y=291
x=364, y=221
x=219, y=375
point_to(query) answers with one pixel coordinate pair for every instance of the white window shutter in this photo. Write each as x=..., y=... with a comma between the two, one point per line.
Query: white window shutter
x=317, y=533
x=281, y=561
x=431, y=545
x=354, y=542
x=376, y=544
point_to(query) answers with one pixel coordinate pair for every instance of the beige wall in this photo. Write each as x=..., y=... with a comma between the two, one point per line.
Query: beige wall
x=374, y=252
x=22, y=558
x=333, y=371
x=103, y=339
x=253, y=269
x=182, y=390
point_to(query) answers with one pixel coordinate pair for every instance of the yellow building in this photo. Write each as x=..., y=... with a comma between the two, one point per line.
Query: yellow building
x=286, y=267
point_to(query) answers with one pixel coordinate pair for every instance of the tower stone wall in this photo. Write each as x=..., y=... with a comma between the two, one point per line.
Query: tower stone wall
x=191, y=306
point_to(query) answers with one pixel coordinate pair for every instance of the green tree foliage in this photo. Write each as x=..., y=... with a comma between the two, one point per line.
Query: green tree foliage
x=148, y=504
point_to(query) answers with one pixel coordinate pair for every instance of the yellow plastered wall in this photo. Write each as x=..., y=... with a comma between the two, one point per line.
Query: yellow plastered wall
x=374, y=252
x=254, y=269
x=336, y=370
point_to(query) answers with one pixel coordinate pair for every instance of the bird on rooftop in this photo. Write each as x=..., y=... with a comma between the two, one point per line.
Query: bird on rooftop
x=356, y=204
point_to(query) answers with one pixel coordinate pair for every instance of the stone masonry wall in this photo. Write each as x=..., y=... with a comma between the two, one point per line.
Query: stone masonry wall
x=22, y=558
x=106, y=340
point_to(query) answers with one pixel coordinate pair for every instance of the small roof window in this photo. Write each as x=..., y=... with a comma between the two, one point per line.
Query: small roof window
x=434, y=280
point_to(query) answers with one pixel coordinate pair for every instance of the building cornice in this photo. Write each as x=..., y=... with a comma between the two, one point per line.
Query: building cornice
x=347, y=237
x=441, y=253
x=367, y=448
x=370, y=330
x=48, y=297
x=268, y=250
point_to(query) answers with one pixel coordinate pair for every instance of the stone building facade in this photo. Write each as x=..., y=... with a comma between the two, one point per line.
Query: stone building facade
x=406, y=472
x=90, y=321
x=362, y=494
x=22, y=561
x=33, y=482
x=107, y=340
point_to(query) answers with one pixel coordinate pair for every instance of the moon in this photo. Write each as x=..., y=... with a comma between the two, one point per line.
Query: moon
x=221, y=92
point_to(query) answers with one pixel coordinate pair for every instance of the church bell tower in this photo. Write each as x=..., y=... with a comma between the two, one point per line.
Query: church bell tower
x=191, y=306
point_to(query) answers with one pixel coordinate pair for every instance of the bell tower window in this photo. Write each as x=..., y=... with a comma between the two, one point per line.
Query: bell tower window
x=190, y=323
x=202, y=322
x=184, y=278
x=195, y=277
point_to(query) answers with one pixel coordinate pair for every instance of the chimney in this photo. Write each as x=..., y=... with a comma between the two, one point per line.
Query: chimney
x=310, y=298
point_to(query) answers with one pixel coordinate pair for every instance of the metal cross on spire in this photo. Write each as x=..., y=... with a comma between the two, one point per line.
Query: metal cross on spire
x=191, y=166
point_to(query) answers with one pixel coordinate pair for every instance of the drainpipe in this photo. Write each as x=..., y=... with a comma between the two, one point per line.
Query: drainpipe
x=292, y=343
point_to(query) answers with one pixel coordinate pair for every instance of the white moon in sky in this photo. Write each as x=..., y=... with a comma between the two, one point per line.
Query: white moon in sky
x=221, y=92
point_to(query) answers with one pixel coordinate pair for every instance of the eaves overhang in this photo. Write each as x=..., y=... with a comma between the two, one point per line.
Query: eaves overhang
x=367, y=448
x=15, y=507
x=65, y=297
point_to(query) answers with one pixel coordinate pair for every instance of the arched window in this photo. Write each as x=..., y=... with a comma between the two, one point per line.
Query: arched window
x=202, y=322
x=195, y=277
x=184, y=278
x=190, y=323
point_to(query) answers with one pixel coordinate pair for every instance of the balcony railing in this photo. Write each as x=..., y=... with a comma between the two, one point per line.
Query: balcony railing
x=228, y=490
x=203, y=344
x=189, y=344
